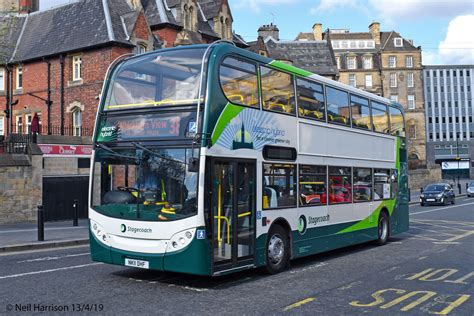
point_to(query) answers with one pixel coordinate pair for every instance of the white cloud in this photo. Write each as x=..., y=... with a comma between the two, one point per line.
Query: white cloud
x=394, y=10
x=458, y=46
x=256, y=5
x=331, y=5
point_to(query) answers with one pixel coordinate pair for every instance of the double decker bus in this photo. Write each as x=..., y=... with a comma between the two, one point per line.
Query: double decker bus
x=210, y=159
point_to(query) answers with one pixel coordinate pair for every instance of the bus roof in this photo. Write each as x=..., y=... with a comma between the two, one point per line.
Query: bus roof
x=225, y=46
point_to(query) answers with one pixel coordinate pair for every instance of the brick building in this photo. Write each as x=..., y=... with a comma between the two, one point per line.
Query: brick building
x=386, y=64
x=53, y=63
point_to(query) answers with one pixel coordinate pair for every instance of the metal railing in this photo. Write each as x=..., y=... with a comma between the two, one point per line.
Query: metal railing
x=15, y=144
x=67, y=130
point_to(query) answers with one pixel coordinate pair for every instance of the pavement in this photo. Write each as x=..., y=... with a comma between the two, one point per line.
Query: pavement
x=24, y=236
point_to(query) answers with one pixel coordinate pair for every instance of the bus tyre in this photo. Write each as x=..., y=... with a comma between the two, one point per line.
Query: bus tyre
x=383, y=229
x=278, y=250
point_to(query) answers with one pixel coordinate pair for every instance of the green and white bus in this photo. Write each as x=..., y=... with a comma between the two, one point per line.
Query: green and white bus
x=210, y=159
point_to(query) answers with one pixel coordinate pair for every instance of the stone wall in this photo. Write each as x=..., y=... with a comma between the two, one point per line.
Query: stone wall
x=21, y=188
x=420, y=177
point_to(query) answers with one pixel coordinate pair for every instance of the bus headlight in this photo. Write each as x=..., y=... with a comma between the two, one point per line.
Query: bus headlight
x=99, y=233
x=181, y=240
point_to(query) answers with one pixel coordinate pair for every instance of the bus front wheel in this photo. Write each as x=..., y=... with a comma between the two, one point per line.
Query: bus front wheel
x=278, y=250
x=383, y=229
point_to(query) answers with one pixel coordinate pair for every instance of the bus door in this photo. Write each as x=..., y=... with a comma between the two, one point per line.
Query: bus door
x=233, y=213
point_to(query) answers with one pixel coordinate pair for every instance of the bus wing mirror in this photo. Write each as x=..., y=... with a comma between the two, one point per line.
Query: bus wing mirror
x=193, y=164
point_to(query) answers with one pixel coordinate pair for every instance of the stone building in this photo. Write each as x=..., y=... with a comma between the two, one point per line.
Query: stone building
x=53, y=63
x=449, y=118
x=386, y=64
x=314, y=55
x=15, y=6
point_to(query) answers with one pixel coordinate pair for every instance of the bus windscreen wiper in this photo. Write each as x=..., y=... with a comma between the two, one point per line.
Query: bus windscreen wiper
x=157, y=154
x=116, y=154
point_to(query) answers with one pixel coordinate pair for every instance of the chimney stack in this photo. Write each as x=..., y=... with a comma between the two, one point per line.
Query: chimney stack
x=28, y=6
x=272, y=30
x=374, y=29
x=318, y=31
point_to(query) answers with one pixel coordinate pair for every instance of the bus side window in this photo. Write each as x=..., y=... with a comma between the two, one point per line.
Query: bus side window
x=311, y=102
x=312, y=185
x=277, y=91
x=360, y=113
x=397, y=125
x=279, y=185
x=340, y=185
x=338, y=106
x=380, y=118
x=239, y=81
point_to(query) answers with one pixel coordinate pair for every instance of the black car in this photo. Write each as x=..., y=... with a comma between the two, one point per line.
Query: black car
x=438, y=193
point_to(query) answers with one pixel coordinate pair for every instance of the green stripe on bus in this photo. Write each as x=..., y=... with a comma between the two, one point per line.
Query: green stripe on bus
x=230, y=111
x=372, y=220
x=289, y=68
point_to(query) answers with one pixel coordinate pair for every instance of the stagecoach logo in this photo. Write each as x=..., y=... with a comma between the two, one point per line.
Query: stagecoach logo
x=302, y=224
x=124, y=228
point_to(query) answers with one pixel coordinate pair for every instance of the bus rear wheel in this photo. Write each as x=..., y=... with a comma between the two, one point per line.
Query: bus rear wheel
x=277, y=250
x=383, y=229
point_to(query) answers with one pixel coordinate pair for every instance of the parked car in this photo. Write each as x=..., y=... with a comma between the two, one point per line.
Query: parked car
x=470, y=189
x=437, y=193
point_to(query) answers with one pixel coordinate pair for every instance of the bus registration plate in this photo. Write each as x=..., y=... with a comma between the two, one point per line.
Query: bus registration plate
x=137, y=263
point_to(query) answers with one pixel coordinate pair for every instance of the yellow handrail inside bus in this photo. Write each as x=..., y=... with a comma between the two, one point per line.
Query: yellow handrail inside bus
x=219, y=218
x=244, y=214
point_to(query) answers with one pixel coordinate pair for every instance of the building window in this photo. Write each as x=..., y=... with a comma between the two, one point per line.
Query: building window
x=19, y=77
x=368, y=81
x=338, y=62
x=29, y=117
x=352, y=80
x=19, y=124
x=409, y=61
x=351, y=63
x=141, y=48
x=279, y=185
x=393, y=80
x=367, y=62
x=394, y=97
x=76, y=68
x=2, y=125
x=392, y=61
x=2, y=79
x=77, y=122
x=411, y=101
x=398, y=42
x=410, y=81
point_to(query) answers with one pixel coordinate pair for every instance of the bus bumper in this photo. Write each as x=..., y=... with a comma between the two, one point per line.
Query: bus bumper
x=194, y=259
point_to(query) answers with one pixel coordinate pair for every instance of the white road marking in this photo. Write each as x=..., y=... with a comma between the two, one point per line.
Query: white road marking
x=46, y=229
x=54, y=258
x=49, y=270
x=427, y=223
x=442, y=208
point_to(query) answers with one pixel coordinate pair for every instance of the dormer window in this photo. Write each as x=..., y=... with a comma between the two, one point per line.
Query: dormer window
x=398, y=42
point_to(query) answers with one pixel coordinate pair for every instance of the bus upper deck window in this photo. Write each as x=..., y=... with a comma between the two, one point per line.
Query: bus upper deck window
x=311, y=100
x=239, y=81
x=277, y=91
x=380, y=118
x=397, y=125
x=338, y=106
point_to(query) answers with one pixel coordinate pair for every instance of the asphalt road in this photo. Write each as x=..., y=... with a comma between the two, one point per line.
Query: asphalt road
x=428, y=270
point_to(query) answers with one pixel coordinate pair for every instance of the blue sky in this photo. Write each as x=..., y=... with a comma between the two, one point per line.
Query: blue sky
x=443, y=28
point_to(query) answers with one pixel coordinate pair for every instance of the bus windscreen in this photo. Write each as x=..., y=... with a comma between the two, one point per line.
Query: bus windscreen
x=155, y=80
